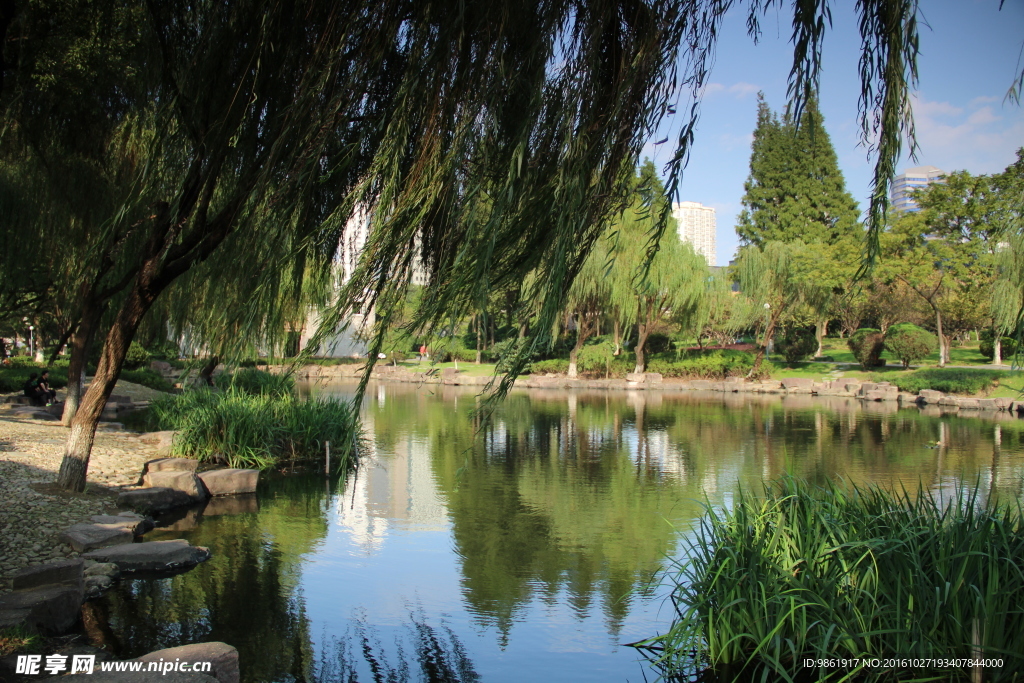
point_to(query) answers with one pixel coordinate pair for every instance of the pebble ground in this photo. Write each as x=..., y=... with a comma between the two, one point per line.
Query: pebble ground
x=32, y=512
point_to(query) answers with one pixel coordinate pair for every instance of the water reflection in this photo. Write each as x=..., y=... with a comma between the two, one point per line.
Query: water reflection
x=530, y=545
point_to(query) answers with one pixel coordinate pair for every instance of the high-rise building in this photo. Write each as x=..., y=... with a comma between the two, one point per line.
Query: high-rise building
x=910, y=180
x=696, y=224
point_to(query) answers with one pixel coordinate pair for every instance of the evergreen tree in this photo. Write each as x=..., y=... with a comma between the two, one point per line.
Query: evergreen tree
x=795, y=190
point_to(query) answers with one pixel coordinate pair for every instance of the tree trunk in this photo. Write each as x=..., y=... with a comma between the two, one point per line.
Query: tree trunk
x=80, y=343
x=820, y=330
x=574, y=354
x=75, y=466
x=997, y=349
x=643, y=330
x=943, y=342
x=478, y=354
x=206, y=373
x=615, y=338
x=759, y=358
x=61, y=343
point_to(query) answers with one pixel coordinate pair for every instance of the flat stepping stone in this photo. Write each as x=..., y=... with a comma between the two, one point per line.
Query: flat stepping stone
x=186, y=482
x=85, y=536
x=230, y=481
x=61, y=571
x=51, y=609
x=136, y=524
x=222, y=657
x=170, y=464
x=152, y=500
x=154, y=556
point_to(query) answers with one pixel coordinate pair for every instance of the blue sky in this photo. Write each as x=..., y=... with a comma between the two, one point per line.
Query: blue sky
x=970, y=53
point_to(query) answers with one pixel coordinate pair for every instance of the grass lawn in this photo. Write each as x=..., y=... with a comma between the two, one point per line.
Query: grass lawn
x=468, y=369
x=958, y=355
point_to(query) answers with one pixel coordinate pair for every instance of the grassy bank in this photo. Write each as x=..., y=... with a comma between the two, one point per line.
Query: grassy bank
x=255, y=421
x=802, y=572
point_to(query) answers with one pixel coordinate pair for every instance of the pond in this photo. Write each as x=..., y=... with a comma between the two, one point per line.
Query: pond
x=528, y=552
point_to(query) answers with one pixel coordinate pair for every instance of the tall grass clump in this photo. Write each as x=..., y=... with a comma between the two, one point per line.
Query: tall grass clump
x=951, y=380
x=832, y=573
x=260, y=431
x=256, y=382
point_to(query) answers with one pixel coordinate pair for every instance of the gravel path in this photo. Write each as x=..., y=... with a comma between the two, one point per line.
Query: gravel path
x=32, y=511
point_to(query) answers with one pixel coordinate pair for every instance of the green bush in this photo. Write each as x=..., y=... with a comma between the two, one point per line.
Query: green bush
x=14, y=376
x=256, y=382
x=256, y=431
x=797, y=344
x=950, y=380
x=867, y=345
x=908, y=342
x=658, y=343
x=987, y=347
x=710, y=364
x=799, y=572
x=136, y=357
x=147, y=378
x=555, y=365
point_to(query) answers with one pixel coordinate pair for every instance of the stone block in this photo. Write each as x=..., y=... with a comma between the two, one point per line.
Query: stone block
x=84, y=537
x=949, y=401
x=634, y=377
x=136, y=524
x=97, y=585
x=968, y=403
x=223, y=658
x=874, y=395
x=50, y=610
x=43, y=415
x=103, y=569
x=930, y=396
x=186, y=482
x=987, y=404
x=653, y=377
x=61, y=571
x=791, y=382
x=449, y=372
x=153, y=556
x=906, y=398
x=170, y=465
x=152, y=500
x=700, y=384
x=230, y=481
x=1003, y=403
x=161, y=441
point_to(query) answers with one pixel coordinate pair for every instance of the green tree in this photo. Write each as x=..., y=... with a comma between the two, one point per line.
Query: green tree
x=646, y=291
x=770, y=277
x=795, y=190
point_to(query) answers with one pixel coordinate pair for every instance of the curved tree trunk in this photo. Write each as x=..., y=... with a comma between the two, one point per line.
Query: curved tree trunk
x=80, y=343
x=997, y=349
x=820, y=330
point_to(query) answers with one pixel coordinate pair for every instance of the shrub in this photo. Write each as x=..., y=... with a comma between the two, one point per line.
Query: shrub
x=950, y=380
x=260, y=431
x=136, y=357
x=658, y=343
x=867, y=345
x=987, y=347
x=555, y=365
x=147, y=378
x=797, y=344
x=800, y=573
x=908, y=342
x=256, y=382
x=711, y=364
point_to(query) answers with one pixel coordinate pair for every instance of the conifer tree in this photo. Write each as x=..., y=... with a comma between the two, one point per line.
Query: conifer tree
x=795, y=190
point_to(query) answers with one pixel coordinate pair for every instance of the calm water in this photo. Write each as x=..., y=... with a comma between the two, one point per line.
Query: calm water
x=529, y=553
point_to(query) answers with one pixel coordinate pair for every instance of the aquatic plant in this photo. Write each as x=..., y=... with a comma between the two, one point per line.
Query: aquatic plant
x=257, y=430
x=256, y=382
x=804, y=573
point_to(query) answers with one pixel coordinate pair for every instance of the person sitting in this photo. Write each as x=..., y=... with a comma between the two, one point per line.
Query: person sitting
x=48, y=393
x=34, y=392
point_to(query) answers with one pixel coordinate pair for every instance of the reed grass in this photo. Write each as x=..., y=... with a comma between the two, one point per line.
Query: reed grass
x=257, y=430
x=256, y=382
x=805, y=572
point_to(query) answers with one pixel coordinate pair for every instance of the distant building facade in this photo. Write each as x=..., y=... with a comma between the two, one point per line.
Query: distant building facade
x=908, y=181
x=696, y=224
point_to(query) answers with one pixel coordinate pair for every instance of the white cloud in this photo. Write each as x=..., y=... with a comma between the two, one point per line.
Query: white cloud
x=737, y=90
x=982, y=141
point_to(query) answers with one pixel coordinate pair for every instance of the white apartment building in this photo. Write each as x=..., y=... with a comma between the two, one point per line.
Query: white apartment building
x=910, y=180
x=696, y=225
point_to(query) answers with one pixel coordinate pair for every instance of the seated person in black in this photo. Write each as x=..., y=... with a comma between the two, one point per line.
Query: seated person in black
x=48, y=393
x=34, y=391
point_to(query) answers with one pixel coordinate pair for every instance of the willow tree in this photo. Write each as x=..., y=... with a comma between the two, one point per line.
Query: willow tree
x=771, y=277
x=286, y=117
x=646, y=290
